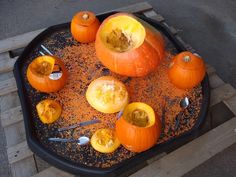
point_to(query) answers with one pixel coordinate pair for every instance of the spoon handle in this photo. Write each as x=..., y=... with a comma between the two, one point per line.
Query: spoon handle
x=64, y=140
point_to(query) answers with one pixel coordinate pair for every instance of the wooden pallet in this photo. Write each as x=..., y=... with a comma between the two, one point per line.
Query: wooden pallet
x=24, y=162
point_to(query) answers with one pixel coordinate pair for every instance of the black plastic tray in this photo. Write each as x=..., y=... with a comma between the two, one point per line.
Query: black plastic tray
x=70, y=166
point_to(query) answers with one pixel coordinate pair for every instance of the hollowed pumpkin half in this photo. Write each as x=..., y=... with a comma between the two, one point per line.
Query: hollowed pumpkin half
x=107, y=94
x=138, y=129
x=47, y=74
x=105, y=141
x=48, y=110
x=129, y=46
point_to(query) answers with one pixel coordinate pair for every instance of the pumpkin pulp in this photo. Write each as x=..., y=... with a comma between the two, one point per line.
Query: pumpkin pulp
x=107, y=94
x=139, y=114
x=105, y=141
x=47, y=74
x=43, y=66
x=138, y=117
x=48, y=110
x=120, y=36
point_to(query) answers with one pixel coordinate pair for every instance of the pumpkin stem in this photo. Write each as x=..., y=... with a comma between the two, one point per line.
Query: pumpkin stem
x=186, y=58
x=85, y=16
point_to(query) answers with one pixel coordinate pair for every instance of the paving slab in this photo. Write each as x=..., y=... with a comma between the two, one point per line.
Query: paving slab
x=222, y=93
x=220, y=165
x=231, y=103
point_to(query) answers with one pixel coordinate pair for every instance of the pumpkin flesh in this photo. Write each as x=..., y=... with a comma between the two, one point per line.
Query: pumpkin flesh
x=107, y=94
x=105, y=141
x=128, y=47
x=48, y=111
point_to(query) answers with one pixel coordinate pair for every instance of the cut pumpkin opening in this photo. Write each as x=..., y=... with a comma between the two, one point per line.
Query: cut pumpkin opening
x=43, y=65
x=139, y=114
x=122, y=33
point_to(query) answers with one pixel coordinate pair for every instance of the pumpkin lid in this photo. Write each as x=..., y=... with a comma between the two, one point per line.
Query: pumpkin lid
x=84, y=18
x=187, y=60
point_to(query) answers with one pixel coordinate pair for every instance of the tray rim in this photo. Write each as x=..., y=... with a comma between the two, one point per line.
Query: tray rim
x=119, y=168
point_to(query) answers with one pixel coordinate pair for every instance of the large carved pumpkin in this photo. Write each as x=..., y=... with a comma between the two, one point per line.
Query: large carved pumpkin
x=129, y=46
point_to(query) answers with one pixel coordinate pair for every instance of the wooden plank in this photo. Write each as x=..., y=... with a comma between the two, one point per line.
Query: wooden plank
x=189, y=156
x=40, y=163
x=153, y=15
x=138, y=7
x=11, y=116
x=18, y=152
x=7, y=64
x=53, y=172
x=24, y=168
x=4, y=55
x=220, y=93
x=6, y=75
x=15, y=133
x=9, y=101
x=19, y=41
x=215, y=81
x=231, y=103
x=7, y=86
x=210, y=70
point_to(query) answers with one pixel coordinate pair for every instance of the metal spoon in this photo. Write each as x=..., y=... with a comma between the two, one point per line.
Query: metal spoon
x=184, y=103
x=83, y=140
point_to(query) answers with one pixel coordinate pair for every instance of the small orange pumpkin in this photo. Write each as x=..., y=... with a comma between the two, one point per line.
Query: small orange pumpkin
x=47, y=74
x=129, y=46
x=187, y=70
x=84, y=26
x=138, y=129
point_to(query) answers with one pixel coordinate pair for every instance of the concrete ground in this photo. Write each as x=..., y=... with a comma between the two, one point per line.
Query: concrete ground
x=209, y=26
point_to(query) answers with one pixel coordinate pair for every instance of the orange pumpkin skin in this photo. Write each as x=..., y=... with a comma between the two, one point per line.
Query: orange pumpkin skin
x=44, y=83
x=186, y=70
x=137, y=139
x=84, y=30
x=136, y=62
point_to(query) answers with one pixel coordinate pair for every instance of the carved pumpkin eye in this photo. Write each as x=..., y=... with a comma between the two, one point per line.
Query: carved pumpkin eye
x=129, y=46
